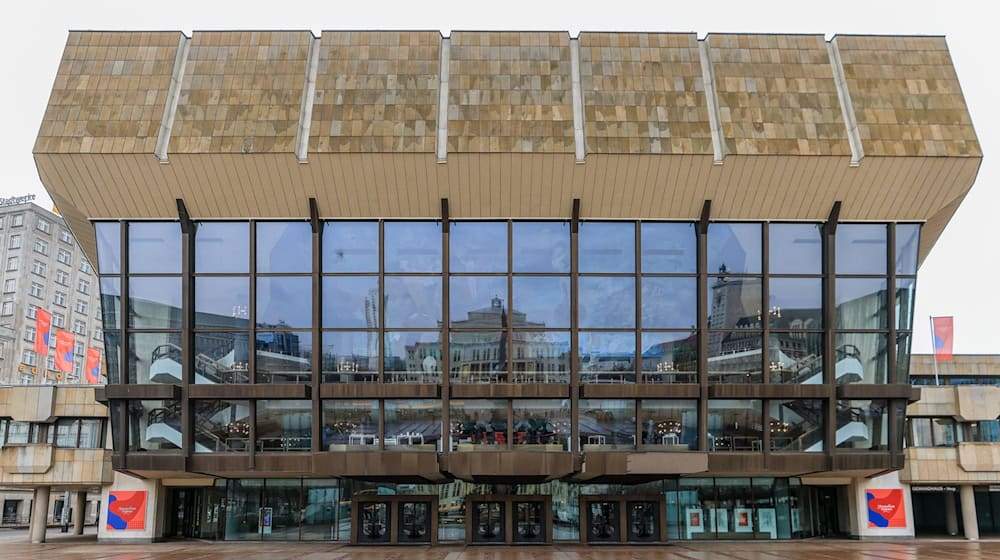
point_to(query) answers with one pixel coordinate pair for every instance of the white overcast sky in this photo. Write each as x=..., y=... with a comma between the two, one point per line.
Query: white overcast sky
x=953, y=279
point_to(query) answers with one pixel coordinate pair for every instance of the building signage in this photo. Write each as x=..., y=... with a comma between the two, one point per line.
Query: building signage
x=933, y=489
x=14, y=200
x=126, y=511
x=885, y=509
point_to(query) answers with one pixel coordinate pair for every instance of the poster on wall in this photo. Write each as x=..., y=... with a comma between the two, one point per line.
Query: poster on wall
x=744, y=520
x=265, y=520
x=126, y=511
x=885, y=509
x=695, y=521
x=767, y=521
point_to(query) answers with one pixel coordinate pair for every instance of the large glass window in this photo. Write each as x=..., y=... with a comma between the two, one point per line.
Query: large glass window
x=607, y=357
x=478, y=424
x=734, y=248
x=222, y=302
x=478, y=247
x=669, y=425
x=907, y=248
x=412, y=302
x=541, y=356
x=154, y=248
x=350, y=357
x=350, y=424
x=795, y=248
x=606, y=302
x=412, y=356
x=284, y=247
x=221, y=357
x=861, y=249
x=861, y=358
x=795, y=303
x=669, y=302
x=735, y=425
x=155, y=358
x=796, y=357
x=906, y=289
x=154, y=425
x=221, y=426
x=669, y=248
x=478, y=357
x=607, y=247
x=863, y=425
x=413, y=424
x=222, y=247
x=670, y=357
x=155, y=302
x=284, y=302
x=606, y=424
x=796, y=425
x=541, y=302
x=109, y=247
x=861, y=303
x=412, y=246
x=541, y=247
x=350, y=247
x=735, y=356
x=478, y=302
x=284, y=357
x=542, y=424
x=111, y=303
x=284, y=425
x=350, y=302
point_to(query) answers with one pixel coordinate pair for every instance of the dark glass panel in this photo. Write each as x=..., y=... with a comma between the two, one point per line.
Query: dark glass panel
x=696, y=501
x=284, y=357
x=284, y=302
x=606, y=302
x=478, y=422
x=669, y=425
x=796, y=425
x=541, y=356
x=795, y=248
x=350, y=246
x=221, y=426
x=669, y=248
x=907, y=248
x=112, y=351
x=222, y=247
x=734, y=303
x=735, y=425
x=478, y=357
x=284, y=247
x=155, y=358
x=221, y=357
x=670, y=357
x=154, y=248
x=607, y=357
x=606, y=424
x=154, y=425
x=109, y=247
x=412, y=301
x=906, y=291
x=863, y=425
x=222, y=302
x=795, y=303
x=111, y=303
x=669, y=303
x=734, y=248
x=607, y=247
x=478, y=302
x=284, y=425
x=542, y=424
x=350, y=357
x=734, y=517
x=350, y=423
x=155, y=303
x=350, y=302
x=903, y=341
x=413, y=357
x=861, y=248
x=861, y=358
x=734, y=356
x=541, y=301
x=541, y=247
x=478, y=246
x=861, y=303
x=796, y=357
x=413, y=247
x=413, y=424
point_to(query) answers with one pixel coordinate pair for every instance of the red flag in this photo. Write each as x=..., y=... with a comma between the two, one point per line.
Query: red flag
x=93, y=369
x=64, y=351
x=943, y=335
x=43, y=324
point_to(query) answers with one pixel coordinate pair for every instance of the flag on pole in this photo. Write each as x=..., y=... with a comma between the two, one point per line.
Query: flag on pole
x=64, y=351
x=93, y=369
x=43, y=324
x=943, y=334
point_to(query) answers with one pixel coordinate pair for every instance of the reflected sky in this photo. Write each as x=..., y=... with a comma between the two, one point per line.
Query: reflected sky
x=109, y=247
x=350, y=302
x=543, y=300
x=222, y=247
x=541, y=247
x=154, y=247
x=222, y=301
x=155, y=302
x=861, y=248
x=350, y=247
x=607, y=247
x=735, y=247
x=607, y=302
x=669, y=248
x=412, y=246
x=284, y=301
x=478, y=301
x=412, y=301
x=284, y=247
x=795, y=248
x=478, y=246
x=669, y=303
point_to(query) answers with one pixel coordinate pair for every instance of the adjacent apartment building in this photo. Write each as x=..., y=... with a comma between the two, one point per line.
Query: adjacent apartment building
x=506, y=287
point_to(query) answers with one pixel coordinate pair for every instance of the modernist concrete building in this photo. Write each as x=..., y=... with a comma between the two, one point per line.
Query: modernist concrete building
x=394, y=287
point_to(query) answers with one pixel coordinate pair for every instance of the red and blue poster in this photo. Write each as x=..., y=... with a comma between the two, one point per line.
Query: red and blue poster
x=93, y=369
x=885, y=509
x=64, y=351
x=43, y=324
x=126, y=511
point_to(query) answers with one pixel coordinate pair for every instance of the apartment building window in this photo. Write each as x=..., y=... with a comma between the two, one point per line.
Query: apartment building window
x=17, y=220
x=62, y=277
x=81, y=306
x=64, y=257
x=43, y=225
x=28, y=357
x=7, y=308
x=42, y=246
x=51, y=363
x=29, y=334
x=58, y=320
x=38, y=267
x=98, y=334
x=32, y=311
x=79, y=346
x=12, y=264
x=59, y=299
x=85, y=267
x=37, y=290
x=1, y=222
x=79, y=327
x=9, y=285
x=83, y=287
x=83, y=433
x=934, y=432
x=65, y=236
x=14, y=242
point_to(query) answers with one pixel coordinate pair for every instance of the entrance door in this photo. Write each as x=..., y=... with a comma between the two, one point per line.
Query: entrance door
x=603, y=522
x=280, y=511
x=376, y=523
x=10, y=511
x=827, y=514
x=643, y=521
x=414, y=523
x=529, y=522
x=488, y=522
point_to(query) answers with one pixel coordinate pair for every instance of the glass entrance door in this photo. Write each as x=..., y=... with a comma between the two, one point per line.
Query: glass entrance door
x=280, y=511
x=375, y=523
x=414, y=523
x=643, y=521
x=488, y=522
x=529, y=522
x=603, y=520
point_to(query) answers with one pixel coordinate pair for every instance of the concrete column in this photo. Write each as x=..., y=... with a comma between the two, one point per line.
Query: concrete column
x=39, y=515
x=969, y=519
x=950, y=514
x=79, y=512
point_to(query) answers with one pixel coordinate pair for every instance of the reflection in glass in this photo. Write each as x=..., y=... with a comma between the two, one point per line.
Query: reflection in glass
x=154, y=248
x=541, y=247
x=222, y=247
x=669, y=425
x=541, y=301
x=695, y=499
x=734, y=302
x=542, y=424
x=861, y=248
x=606, y=424
x=734, y=248
x=284, y=425
x=350, y=246
x=735, y=425
x=541, y=356
x=861, y=303
x=413, y=424
x=222, y=302
x=155, y=358
x=796, y=357
x=350, y=423
x=795, y=248
x=350, y=302
x=863, y=425
x=350, y=357
x=478, y=302
x=412, y=246
x=412, y=301
x=478, y=247
x=607, y=357
x=243, y=509
x=154, y=425
x=109, y=247
x=478, y=357
x=606, y=302
x=321, y=514
x=669, y=302
x=607, y=247
x=907, y=248
x=284, y=247
x=284, y=302
x=476, y=423
x=412, y=357
x=734, y=518
x=796, y=425
x=903, y=341
x=906, y=289
x=155, y=302
x=670, y=357
x=110, y=356
x=111, y=303
x=734, y=356
x=284, y=357
x=669, y=248
x=221, y=357
x=221, y=426
x=795, y=303
x=861, y=358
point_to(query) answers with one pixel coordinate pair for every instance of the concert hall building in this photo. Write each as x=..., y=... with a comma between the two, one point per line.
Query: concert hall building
x=506, y=287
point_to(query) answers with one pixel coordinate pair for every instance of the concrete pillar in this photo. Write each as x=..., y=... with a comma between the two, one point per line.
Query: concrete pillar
x=969, y=519
x=39, y=515
x=79, y=512
x=950, y=515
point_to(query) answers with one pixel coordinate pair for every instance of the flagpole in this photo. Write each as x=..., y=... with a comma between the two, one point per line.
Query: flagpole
x=937, y=380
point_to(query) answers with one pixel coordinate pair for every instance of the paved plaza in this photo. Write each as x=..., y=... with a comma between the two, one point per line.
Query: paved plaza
x=66, y=547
